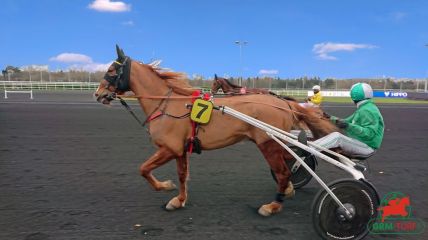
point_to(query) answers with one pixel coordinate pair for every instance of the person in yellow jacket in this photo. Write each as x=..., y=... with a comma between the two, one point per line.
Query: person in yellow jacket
x=316, y=99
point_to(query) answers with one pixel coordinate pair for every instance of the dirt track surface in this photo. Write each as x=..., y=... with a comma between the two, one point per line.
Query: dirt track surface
x=69, y=170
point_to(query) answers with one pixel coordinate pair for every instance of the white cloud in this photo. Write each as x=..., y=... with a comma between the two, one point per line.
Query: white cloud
x=90, y=67
x=322, y=50
x=80, y=62
x=128, y=23
x=109, y=6
x=71, y=57
x=268, y=72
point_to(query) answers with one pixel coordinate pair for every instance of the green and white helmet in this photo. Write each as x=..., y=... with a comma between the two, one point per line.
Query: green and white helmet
x=361, y=91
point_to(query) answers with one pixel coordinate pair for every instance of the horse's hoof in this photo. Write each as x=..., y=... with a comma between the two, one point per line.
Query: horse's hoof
x=269, y=209
x=265, y=211
x=289, y=191
x=168, y=185
x=175, y=203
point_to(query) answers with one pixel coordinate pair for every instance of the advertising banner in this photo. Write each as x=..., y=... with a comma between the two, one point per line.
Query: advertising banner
x=376, y=94
x=389, y=94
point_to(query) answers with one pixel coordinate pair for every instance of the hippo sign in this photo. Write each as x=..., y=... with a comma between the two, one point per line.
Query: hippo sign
x=389, y=94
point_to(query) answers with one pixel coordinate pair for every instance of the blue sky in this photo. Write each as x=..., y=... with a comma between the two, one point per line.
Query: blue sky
x=342, y=39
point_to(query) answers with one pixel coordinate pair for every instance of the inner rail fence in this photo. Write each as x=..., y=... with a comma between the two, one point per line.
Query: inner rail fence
x=83, y=86
x=22, y=85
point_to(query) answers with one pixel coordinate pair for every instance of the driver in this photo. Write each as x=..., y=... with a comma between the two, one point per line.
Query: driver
x=363, y=129
x=316, y=99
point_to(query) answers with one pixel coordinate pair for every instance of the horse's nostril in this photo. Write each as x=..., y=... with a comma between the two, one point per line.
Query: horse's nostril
x=96, y=94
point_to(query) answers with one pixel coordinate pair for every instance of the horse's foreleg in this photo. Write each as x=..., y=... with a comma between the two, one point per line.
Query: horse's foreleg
x=274, y=154
x=183, y=174
x=158, y=159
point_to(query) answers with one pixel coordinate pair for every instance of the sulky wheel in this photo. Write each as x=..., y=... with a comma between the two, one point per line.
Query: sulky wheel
x=299, y=176
x=357, y=196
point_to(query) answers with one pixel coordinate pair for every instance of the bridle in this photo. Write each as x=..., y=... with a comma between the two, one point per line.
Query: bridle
x=120, y=81
x=216, y=86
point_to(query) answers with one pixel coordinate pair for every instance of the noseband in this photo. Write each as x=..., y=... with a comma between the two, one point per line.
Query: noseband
x=121, y=79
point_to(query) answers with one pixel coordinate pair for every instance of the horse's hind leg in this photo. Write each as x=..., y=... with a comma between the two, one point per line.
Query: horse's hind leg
x=162, y=156
x=274, y=154
x=183, y=174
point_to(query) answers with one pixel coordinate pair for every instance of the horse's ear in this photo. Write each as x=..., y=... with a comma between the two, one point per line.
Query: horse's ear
x=215, y=76
x=120, y=53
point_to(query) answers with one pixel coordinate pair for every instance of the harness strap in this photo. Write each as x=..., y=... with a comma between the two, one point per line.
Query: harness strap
x=195, y=95
x=154, y=115
x=190, y=145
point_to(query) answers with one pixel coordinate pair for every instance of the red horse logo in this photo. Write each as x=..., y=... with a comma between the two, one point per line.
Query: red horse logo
x=395, y=207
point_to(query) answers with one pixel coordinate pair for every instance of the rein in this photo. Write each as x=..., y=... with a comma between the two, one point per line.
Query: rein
x=155, y=97
x=152, y=115
x=278, y=107
x=130, y=111
x=190, y=97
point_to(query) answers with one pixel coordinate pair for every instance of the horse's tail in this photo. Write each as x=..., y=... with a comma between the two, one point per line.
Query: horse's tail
x=318, y=125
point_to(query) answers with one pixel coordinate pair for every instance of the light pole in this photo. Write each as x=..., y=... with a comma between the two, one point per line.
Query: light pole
x=384, y=82
x=426, y=80
x=241, y=44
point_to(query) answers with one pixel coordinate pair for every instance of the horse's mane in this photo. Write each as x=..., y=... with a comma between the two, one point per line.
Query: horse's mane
x=230, y=84
x=174, y=80
x=319, y=126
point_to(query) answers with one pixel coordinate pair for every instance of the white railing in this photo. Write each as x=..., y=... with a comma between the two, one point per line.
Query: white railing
x=27, y=85
x=17, y=91
x=22, y=85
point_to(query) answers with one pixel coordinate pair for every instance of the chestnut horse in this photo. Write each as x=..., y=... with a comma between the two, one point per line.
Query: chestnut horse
x=232, y=89
x=229, y=88
x=165, y=95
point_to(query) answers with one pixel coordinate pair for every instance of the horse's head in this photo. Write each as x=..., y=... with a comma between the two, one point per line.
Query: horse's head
x=216, y=84
x=116, y=79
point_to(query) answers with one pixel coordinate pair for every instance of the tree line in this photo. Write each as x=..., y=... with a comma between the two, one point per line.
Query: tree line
x=11, y=73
